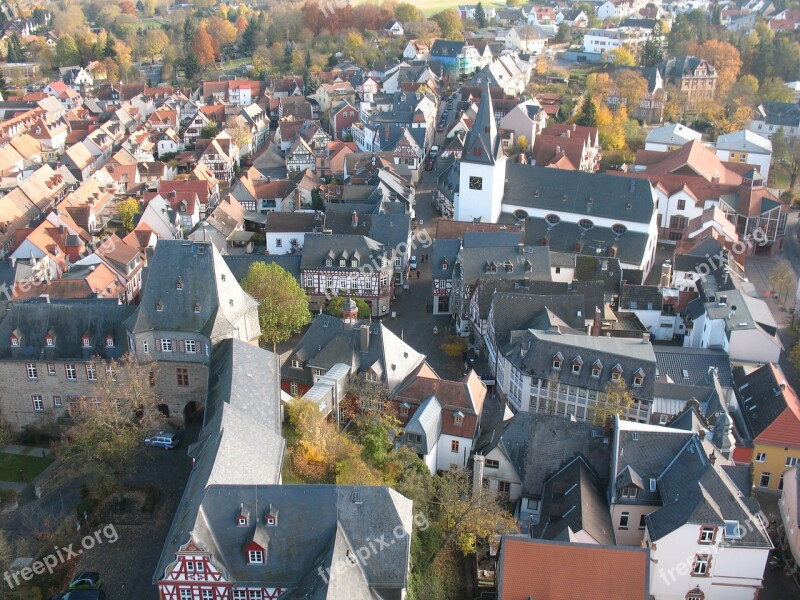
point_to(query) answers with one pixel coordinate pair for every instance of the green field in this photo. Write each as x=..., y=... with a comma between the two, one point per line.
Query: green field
x=31, y=466
x=151, y=22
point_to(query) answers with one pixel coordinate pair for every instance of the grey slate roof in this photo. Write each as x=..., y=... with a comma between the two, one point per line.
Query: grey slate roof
x=513, y=311
x=538, y=445
x=67, y=321
x=329, y=341
x=740, y=311
x=561, y=191
x=444, y=251
x=694, y=491
x=761, y=397
x=643, y=452
x=387, y=229
x=318, y=527
x=224, y=308
x=574, y=501
x=427, y=422
x=239, y=264
x=672, y=361
x=474, y=262
x=640, y=297
x=446, y=49
x=318, y=247
x=563, y=237
x=593, y=268
x=590, y=291
x=786, y=114
x=533, y=351
x=482, y=145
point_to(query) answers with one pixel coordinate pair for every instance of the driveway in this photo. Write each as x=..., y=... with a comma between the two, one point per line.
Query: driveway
x=128, y=566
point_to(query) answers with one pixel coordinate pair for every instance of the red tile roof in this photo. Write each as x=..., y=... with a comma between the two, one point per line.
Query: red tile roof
x=785, y=429
x=545, y=570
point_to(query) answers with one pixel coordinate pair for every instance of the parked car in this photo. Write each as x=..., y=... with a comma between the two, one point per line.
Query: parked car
x=88, y=580
x=412, y=264
x=434, y=152
x=163, y=439
x=440, y=127
x=429, y=165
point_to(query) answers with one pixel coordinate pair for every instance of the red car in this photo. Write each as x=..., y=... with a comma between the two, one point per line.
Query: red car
x=429, y=165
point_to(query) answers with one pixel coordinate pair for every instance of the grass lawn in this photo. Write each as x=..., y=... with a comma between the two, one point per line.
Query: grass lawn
x=31, y=466
x=152, y=22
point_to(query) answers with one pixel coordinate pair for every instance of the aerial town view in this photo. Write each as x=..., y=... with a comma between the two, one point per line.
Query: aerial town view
x=385, y=300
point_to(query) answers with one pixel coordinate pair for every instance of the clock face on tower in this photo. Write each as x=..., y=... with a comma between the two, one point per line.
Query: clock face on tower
x=476, y=183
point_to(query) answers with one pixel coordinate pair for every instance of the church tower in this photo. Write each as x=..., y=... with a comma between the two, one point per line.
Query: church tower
x=482, y=169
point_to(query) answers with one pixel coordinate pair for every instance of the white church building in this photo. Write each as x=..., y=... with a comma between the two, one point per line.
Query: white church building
x=569, y=211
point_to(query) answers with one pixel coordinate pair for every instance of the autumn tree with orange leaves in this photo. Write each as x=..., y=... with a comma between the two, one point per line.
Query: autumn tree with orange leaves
x=203, y=47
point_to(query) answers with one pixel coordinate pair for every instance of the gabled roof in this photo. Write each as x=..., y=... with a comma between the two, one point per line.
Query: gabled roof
x=769, y=405
x=744, y=141
x=673, y=134
x=691, y=366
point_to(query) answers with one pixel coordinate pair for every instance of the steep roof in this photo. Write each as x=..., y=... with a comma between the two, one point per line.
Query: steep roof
x=482, y=145
x=770, y=406
x=691, y=366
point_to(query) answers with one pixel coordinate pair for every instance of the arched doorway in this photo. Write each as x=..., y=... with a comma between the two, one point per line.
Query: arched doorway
x=164, y=410
x=193, y=411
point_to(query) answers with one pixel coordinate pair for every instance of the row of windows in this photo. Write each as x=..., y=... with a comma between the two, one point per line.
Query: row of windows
x=624, y=520
x=167, y=345
x=791, y=461
x=70, y=371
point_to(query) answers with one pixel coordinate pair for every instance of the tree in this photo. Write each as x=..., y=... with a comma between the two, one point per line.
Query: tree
x=480, y=15
x=110, y=426
x=611, y=127
x=454, y=346
x=209, y=131
x=726, y=60
x=239, y=131
x=15, y=53
x=794, y=355
x=616, y=400
x=406, y=13
x=773, y=89
x=223, y=33
x=745, y=90
x=652, y=53
x=621, y=57
x=283, y=304
x=155, y=41
x=111, y=70
x=631, y=87
x=67, y=51
x=203, y=47
x=599, y=86
x=108, y=50
x=513, y=3
x=783, y=279
x=127, y=211
x=189, y=33
x=450, y=23
x=786, y=152
x=336, y=303
x=564, y=34
x=587, y=116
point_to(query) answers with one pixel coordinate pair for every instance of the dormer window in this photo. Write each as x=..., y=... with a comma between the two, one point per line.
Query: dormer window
x=616, y=373
x=270, y=520
x=255, y=557
x=223, y=277
x=196, y=307
x=558, y=359
x=109, y=341
x=354, y=263
x=404, y=408
x=577, y=363
x=638, y=378
x=179, y=284
x=597, y=369
x=14, y=341
x=49, y=341
x=86, y=341
x=458, y=419
x=328, y=262
x=242, y=521
x=342, y=262
x=159, y=306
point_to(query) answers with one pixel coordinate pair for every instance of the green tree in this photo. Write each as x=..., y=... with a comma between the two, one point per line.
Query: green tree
x=209, y=131
x=109, y=51
x=587, y=116
x=127, y=211
x=621, y=57
x=652, y=53
x=794, y=355
x=336, y=303
x=191, y=67
x=773, y=89
x=449, y=23
x=67, y=51
x=155, y=41
x=786, y=152
x=783, y=279
x=283, y=304
x=110, y=426
x=15, y=54
x=407, y=13
x=616, y=400
x=480, y=15
x=564, y=34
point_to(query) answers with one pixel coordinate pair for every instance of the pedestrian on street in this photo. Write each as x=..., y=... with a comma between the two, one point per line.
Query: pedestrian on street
x=417, y=274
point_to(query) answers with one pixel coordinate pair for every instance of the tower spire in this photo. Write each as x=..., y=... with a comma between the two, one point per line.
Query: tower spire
x=482, y=144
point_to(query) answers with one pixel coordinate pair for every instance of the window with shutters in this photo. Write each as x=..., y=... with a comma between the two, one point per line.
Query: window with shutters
x=166, y=345
x=191, y=346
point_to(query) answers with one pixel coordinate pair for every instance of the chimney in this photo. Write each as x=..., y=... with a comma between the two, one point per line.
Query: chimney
x=712, y=458
x=666, y=274
x=521, y=247
x=354, y=220
x=645, y=338
x=597, y=323
x=478, y=463
x=364, y=338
